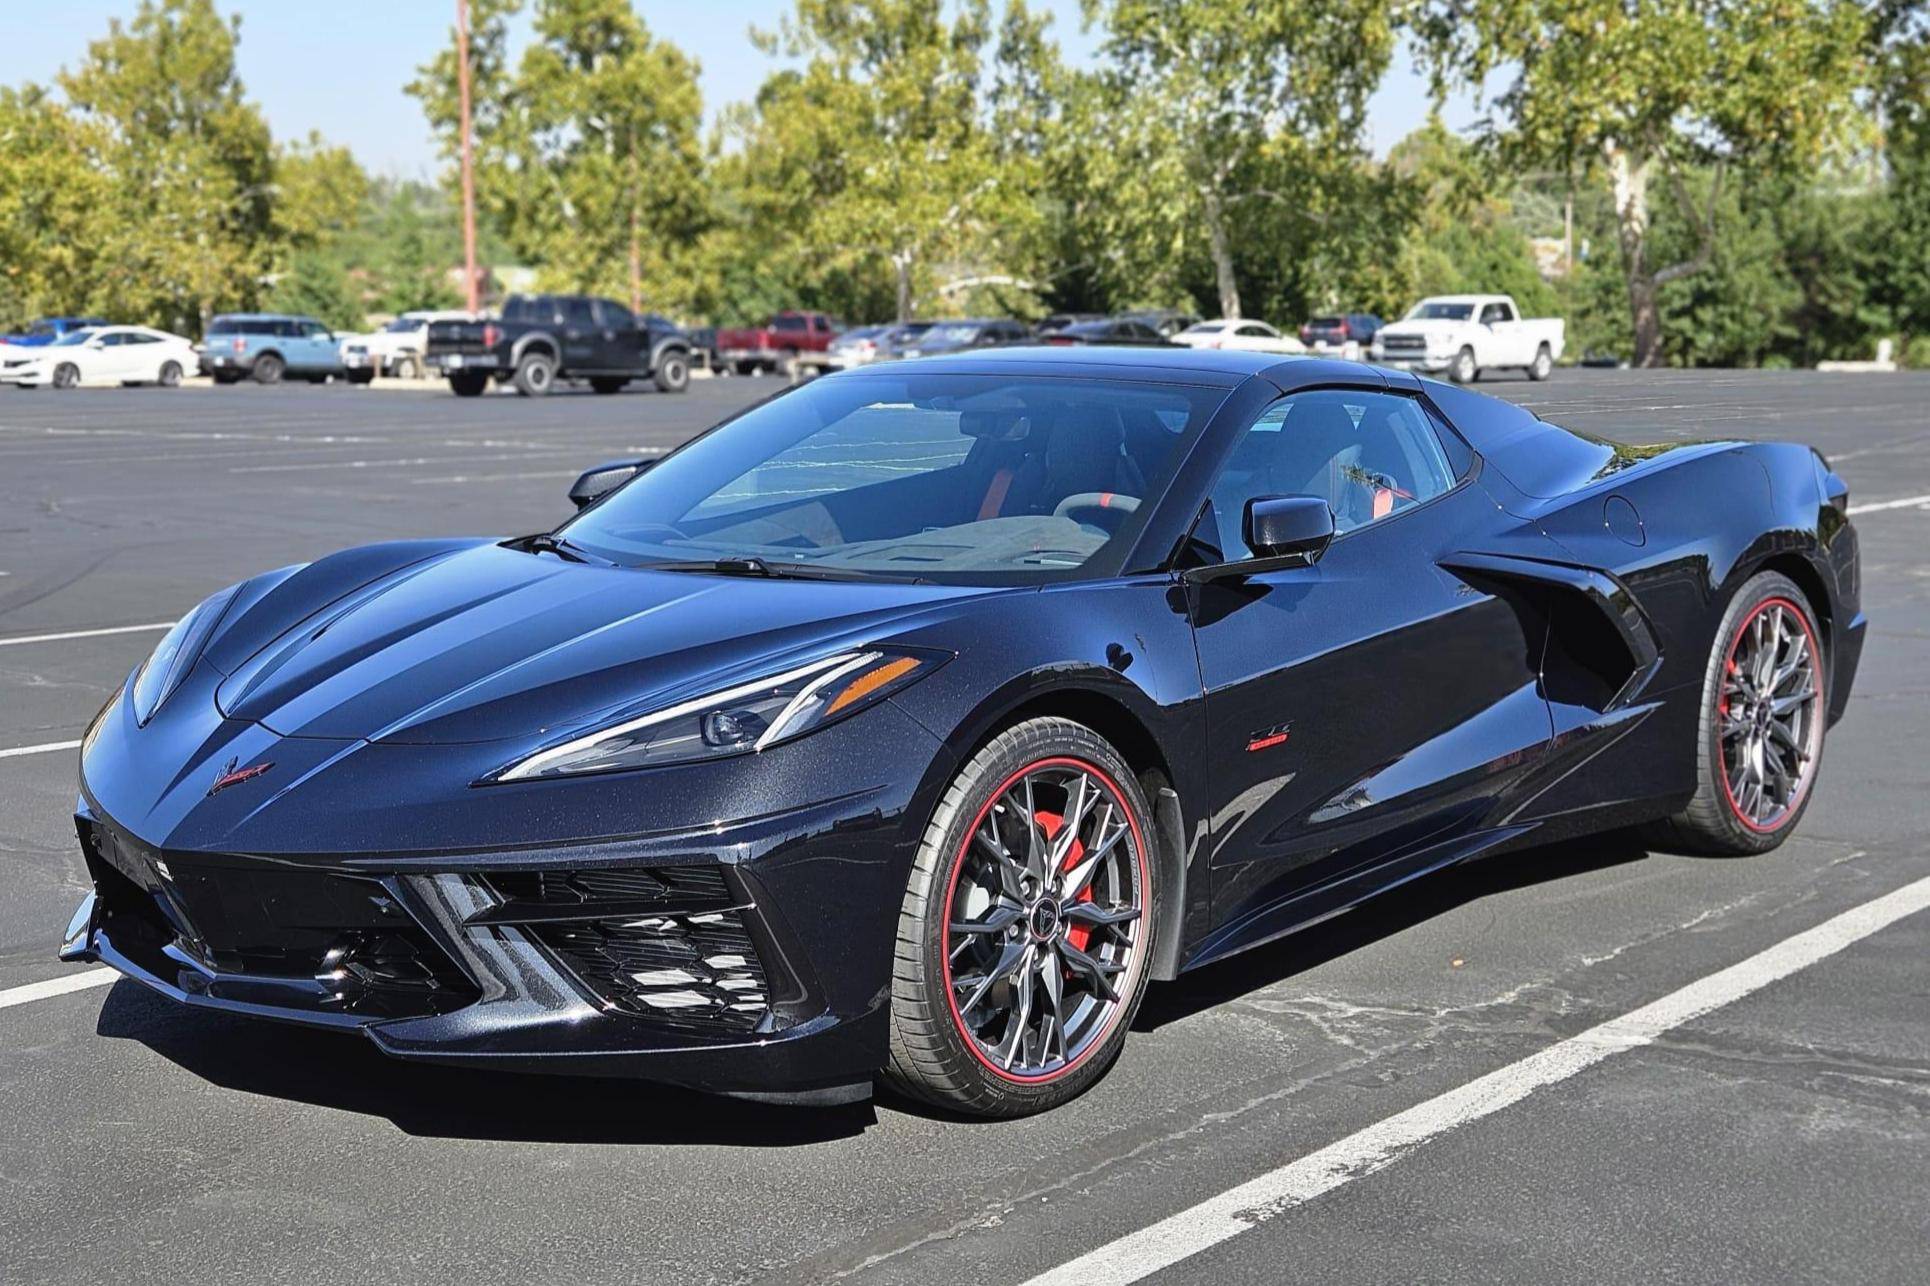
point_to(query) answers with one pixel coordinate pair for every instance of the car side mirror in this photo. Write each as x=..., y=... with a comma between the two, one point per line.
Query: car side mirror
x=1294, y=530
x=594, y=484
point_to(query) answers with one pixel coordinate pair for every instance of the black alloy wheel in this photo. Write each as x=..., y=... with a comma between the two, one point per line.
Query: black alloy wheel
x=1761, y=730
x=1027, y=929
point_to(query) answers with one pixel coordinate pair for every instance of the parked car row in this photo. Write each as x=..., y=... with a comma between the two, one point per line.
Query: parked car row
x=540, y=339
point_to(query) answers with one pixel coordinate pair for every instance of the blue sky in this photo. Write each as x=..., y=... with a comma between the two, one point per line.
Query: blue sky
x=338, y=66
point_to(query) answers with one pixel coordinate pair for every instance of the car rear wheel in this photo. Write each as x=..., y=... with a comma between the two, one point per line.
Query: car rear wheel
x=66, y=375
x=534, y=374
x=1464, y=370
x=268, y=369
x=1760, y=732
x=1027, y=927
x=170, y=376
x=1543, y=366
x=673, y=373
x=468, y=383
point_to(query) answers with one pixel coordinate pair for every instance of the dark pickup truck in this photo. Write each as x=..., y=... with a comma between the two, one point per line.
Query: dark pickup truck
x=540, y=339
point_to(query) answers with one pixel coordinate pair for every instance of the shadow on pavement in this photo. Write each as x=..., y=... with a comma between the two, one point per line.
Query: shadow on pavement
x=344, y=1072
x=1380, y=917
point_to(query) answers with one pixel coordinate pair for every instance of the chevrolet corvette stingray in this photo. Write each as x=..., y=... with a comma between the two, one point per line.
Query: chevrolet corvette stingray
x=910, y=723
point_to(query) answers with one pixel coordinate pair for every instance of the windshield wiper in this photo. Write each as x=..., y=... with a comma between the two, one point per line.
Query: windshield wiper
x=545, y=543
x=749, y=565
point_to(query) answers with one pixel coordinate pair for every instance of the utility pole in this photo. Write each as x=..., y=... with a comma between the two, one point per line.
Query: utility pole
x=471, y=285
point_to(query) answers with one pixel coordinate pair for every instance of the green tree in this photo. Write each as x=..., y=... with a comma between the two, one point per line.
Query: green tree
x=1653, y=88
x=871, y=169
x=54, y=209
x=587, y=153
x=1216, y=101
x=188, y=158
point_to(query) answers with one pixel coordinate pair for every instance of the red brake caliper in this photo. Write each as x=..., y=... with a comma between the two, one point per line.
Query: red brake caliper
x=1079, y=934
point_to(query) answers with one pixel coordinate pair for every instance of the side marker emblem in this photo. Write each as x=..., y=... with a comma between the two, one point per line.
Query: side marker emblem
x=1268, y=738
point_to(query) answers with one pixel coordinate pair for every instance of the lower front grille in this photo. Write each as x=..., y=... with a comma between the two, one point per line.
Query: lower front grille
x=699, y=971
x=317, y=940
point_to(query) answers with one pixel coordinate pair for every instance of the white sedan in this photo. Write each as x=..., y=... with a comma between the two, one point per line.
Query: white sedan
x=102, y=355
x=1238, y=333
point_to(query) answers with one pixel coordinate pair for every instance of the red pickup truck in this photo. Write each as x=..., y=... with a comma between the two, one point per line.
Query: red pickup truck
x=770, y=346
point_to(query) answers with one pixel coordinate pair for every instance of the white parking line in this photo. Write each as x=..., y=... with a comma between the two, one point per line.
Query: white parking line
x=57, y=987
x=85, y=634
x=1247, y=1206
x=1908, y=502
x=39, y=750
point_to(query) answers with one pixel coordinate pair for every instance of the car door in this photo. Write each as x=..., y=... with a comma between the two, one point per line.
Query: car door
x=1356, y=708
x=1505, y=346
x=580, y=335
x=623, y=340
x=104, y=358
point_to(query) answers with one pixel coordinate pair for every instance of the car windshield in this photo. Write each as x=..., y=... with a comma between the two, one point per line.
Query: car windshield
x=1434, y=310
x=964, y=479
x=73, y=338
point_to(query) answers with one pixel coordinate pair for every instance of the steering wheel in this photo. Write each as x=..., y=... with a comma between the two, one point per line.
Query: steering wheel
x=1105, y=501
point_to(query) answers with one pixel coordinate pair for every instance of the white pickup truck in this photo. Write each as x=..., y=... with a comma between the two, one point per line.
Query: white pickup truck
x=1467, y=334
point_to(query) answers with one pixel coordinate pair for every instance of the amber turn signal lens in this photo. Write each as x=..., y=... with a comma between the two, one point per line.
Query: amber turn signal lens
x=870, y=681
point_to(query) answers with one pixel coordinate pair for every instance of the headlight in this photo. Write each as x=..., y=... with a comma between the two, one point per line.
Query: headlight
x=175, y=655
x=737, y=720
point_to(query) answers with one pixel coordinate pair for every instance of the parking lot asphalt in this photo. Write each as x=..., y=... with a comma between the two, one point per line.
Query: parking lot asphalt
x=1782, y=1135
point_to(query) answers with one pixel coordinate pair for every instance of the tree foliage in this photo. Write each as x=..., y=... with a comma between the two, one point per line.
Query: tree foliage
x=587, y=153
x=1649, y=89
x=1215, y=104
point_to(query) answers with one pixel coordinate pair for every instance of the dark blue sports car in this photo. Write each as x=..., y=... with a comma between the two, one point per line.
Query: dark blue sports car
x=911, y=722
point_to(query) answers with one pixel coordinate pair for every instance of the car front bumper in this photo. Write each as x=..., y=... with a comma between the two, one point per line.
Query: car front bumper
x=1409, y=360
x=724, y=962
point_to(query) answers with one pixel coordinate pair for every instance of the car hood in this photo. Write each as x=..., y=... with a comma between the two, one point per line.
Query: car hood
x=482, y=643
x=1428, y=326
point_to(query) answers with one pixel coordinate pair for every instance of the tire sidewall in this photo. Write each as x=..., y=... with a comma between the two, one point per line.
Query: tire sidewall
x=1543, y=366
x=976, y=1087
x=1464, y=368
x=268, y=369
x=66, y=376
x=534, y=375
x=673, y=373
x=1712, y=800
x=170, y=375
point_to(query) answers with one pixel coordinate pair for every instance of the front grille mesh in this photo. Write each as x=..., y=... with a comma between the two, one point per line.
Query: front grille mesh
x=682, y=884
x=699, y=971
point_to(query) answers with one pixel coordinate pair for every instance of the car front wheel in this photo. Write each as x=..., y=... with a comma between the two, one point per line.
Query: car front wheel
x=66, y=375
x=1026, y=931
x=1464, y=370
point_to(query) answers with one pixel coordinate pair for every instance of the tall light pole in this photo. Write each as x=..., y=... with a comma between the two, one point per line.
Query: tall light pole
x=472, y=286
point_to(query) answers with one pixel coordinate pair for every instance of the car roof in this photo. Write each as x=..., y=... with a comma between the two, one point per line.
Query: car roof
x=1176, y=365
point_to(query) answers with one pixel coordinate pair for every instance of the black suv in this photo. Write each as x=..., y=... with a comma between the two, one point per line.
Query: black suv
x=540, y=339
